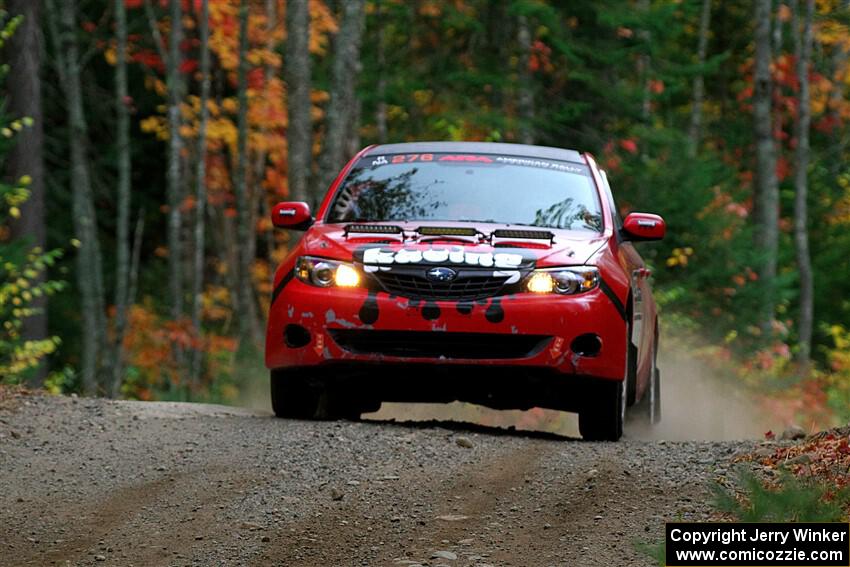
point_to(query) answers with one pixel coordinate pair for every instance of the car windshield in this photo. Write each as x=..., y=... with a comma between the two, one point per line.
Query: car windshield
x=469, y=188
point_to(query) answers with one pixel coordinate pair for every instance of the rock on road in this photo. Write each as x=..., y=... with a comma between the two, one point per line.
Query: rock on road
x=97, y=482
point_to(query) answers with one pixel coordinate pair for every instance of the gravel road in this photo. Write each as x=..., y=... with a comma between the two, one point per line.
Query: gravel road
x=97, y=482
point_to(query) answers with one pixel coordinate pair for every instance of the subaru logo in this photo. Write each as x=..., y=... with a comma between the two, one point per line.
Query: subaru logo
x=441, y=274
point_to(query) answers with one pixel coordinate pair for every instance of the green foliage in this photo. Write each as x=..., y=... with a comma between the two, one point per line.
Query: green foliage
x=792, y=500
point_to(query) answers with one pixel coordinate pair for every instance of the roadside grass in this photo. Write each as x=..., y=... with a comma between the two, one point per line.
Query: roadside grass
x=787, y=497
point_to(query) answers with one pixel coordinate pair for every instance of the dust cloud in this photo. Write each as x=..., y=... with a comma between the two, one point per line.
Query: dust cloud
x=697, y=405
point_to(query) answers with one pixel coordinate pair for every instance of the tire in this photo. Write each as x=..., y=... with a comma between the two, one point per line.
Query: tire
x=631, y=362
x=292, y=396
x=631, y=370
x=601, y=418
x=650, y=403
x=295, y=396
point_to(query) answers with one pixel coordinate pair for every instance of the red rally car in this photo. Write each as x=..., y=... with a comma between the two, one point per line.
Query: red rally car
x=497, y=274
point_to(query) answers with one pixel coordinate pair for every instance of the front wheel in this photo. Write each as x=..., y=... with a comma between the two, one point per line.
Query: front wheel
x=292, y=395
x=604, y=411
x=296, y=396
x=650, y=403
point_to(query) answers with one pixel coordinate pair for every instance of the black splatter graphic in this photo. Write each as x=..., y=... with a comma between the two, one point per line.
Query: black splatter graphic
x=464, y=307
x=369, y=312
x=495, y=313
x=431, y=311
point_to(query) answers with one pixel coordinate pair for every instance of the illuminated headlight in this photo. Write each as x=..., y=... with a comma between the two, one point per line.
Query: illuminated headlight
x=565, y=281
x=326, y=273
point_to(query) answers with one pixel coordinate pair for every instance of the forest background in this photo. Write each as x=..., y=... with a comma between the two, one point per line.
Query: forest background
x=143, y=143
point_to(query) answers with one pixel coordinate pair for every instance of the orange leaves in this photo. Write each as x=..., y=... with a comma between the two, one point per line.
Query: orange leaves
x=152, y=343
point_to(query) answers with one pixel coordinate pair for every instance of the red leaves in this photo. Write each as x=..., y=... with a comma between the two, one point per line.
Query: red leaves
x=189, y=66
x=824, y=457
x=148, y=58
x=256, y=79
x=629, y=145
x=539, y=59
x=783, y=168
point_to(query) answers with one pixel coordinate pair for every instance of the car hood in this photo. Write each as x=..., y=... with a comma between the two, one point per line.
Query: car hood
x=564, y=248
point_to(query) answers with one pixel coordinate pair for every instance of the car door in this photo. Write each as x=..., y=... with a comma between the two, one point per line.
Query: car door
x=641, y=312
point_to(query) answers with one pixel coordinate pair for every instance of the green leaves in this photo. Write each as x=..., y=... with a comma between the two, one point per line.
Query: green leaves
x=790, y=500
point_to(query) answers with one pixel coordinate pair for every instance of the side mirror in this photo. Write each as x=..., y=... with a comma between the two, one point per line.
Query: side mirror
x=639, y=227
x=294, y=215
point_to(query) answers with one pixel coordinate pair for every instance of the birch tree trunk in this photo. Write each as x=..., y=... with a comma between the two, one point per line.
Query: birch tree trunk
x=175, y=146
x=803, y=49
x=89, y=271
x=695, y=128
x=525, y=102
x=297, y=74
x=766, y=188
x=26, y=157
x=249, y=332
x=122, y=229
x=200, y=194
x=341, y=108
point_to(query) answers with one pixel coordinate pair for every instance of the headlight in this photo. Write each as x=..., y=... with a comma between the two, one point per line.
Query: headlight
x=326, y=273
x=565, y=281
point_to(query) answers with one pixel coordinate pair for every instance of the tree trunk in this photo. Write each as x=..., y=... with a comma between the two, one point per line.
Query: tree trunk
x=122, y=229
x=249, y=333
x=381, y=84
x=259, y=204
x=803, y=49
x=175, y=146
x=341, y=108
x=767, y=188
x=200, y=194
x=695, y=129
x=23, y=85
x=297, y=73
x=89, y=270
x=526, y=92
x=836, y=96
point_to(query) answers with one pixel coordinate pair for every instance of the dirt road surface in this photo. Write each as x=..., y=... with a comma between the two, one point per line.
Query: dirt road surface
x=96, y=482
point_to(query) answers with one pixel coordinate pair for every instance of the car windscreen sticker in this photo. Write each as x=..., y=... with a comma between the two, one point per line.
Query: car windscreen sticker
x=544, y=164
x=469, y=159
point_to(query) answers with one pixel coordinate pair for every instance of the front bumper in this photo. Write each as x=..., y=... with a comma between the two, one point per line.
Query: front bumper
x=555, y=320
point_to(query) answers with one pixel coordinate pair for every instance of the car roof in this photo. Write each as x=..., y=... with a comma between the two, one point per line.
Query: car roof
x=522, y=150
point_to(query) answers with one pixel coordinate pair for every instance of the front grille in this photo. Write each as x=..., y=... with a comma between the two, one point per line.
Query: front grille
x=439, y=344
x=468, y=286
